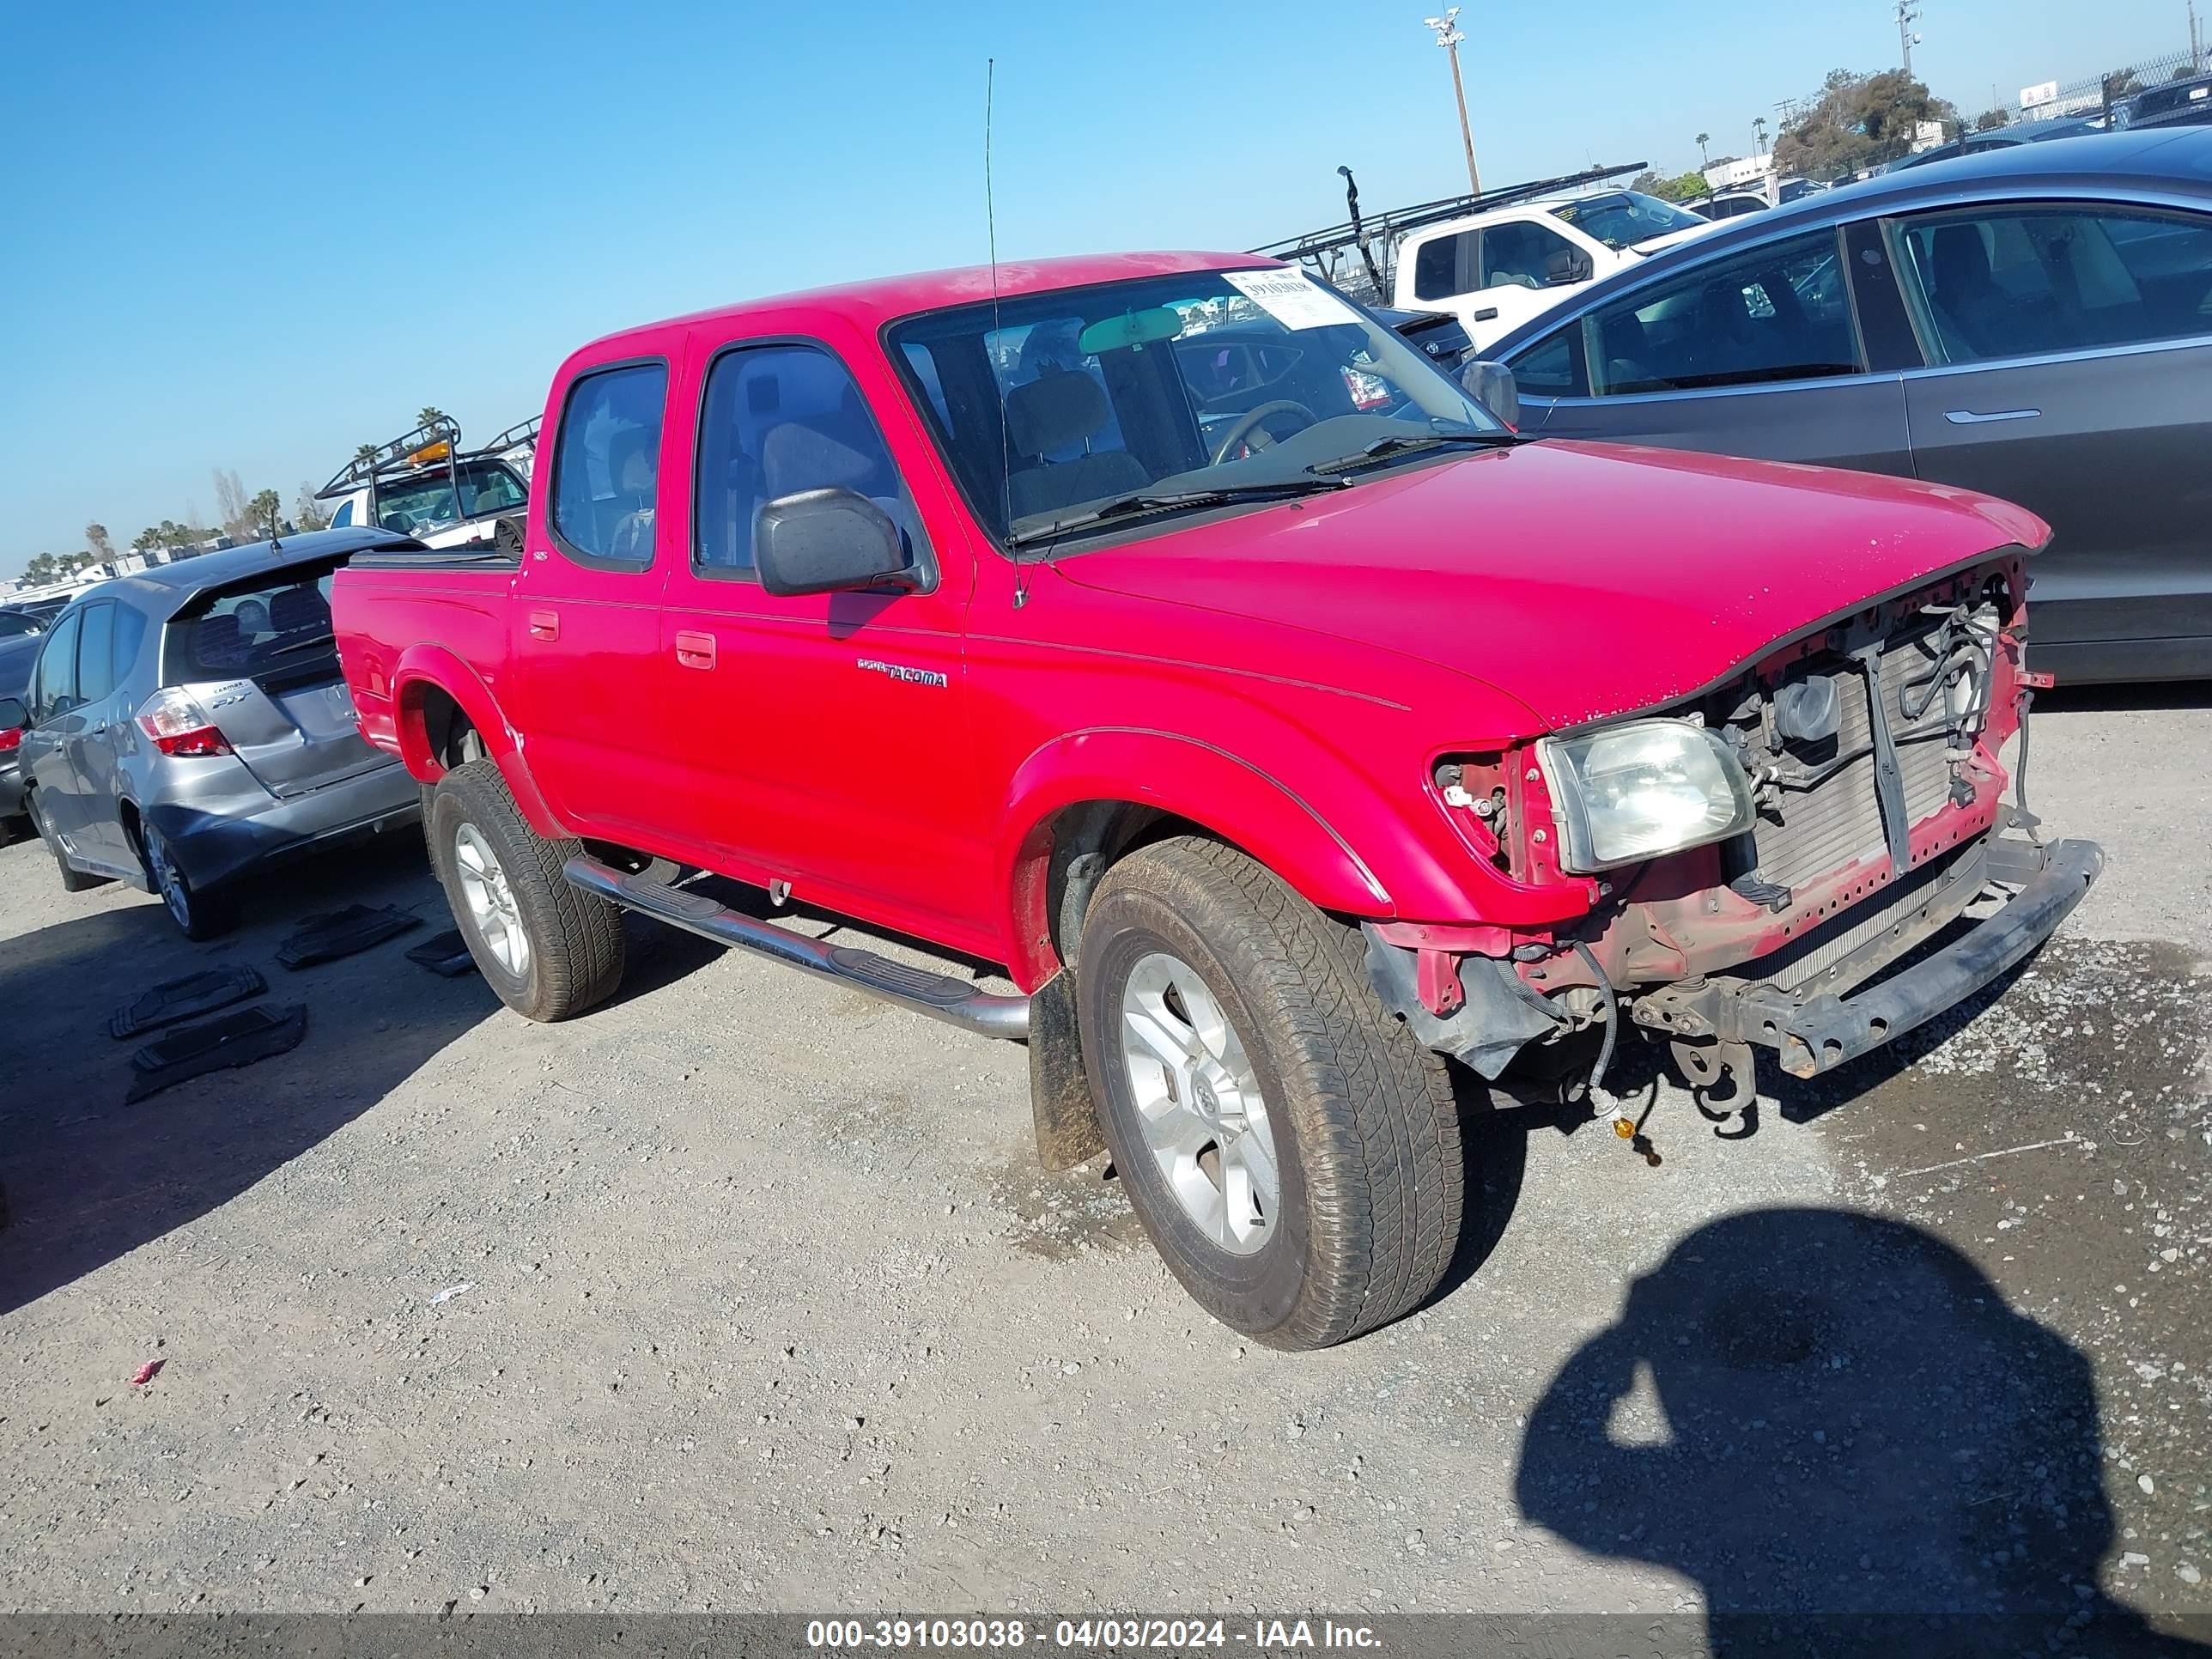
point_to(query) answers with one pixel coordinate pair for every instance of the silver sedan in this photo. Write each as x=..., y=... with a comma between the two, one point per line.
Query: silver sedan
x=186, y=724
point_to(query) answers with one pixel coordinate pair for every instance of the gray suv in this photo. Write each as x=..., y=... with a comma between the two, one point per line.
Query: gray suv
x=186, y=724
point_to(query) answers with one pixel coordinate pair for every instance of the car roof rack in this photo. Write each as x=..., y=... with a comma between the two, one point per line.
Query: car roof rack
x=410, y=451
x=521, y=433
x=1324, y=251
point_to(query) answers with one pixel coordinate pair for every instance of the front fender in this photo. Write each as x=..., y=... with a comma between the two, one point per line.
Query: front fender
x=1188, y=778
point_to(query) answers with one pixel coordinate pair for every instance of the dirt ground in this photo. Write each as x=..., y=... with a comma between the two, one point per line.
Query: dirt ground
x=766, y=1304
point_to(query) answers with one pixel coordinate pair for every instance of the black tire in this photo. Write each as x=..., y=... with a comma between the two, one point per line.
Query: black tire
x=1364, y=1128
x=199, y=914
x=74, y=880
x=574, y=941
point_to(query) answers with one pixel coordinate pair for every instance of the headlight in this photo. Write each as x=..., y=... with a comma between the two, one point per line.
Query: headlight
x=1638, y=790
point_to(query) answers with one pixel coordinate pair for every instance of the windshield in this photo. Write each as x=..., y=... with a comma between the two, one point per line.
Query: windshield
x=425, y=501
x=1625, y=218
x=1050, y=406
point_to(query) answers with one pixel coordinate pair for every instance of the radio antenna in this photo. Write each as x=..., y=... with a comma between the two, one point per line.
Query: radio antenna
x=991, y=357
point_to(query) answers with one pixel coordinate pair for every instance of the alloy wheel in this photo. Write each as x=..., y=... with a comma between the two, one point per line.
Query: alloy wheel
x=490, y=898
x=1198, y=1103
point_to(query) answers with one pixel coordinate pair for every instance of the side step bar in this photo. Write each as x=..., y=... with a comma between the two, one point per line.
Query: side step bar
x=954, y=1001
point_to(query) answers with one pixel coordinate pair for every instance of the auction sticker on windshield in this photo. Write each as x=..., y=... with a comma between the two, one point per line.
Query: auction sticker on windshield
x=1291, y=298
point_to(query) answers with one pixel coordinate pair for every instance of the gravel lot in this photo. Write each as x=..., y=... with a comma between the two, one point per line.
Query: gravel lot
x=769, y=1306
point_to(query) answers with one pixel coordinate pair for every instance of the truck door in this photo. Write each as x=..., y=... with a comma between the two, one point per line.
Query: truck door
x=585, y=616
x=823, y=735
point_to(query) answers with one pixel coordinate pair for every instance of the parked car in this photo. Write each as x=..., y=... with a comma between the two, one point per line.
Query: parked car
x=2035, y=322
x=1438, y=335
x=2005, y=137
x=17, y=653
x=2176, y=103
x=41, y=613
x=1729, y=204
x=15, y=623
x=185, y=725
x=1272, y=772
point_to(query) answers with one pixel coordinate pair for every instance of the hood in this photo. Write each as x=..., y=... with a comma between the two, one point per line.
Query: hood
x=1584, y=581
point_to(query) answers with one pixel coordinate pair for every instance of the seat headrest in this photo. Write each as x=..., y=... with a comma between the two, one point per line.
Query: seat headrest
x=296, y=608
x=1055, y=411
x=1962, y=264
x=218, y=639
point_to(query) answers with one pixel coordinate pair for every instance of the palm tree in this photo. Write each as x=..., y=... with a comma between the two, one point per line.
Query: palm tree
x=1703, y=138
x=429, y=415
x=1759, y=135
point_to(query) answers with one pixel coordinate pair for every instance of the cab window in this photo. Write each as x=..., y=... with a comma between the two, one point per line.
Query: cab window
x=778, y=420
x=607, y=466
x=1776, y=313
x=1445, y=265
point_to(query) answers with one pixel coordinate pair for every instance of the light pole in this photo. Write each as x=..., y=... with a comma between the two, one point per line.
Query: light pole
x=1449, y=37
x=1908, y=14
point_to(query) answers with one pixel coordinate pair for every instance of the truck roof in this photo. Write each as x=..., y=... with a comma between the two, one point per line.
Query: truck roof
x=883, y=298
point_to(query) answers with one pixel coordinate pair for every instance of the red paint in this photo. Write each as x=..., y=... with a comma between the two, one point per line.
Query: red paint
x=1286, y=678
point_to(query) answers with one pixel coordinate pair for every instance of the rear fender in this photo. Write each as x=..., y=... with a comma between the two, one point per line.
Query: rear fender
x=424, y=667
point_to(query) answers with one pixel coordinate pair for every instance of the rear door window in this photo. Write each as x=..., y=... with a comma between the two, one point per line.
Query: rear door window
x=277, y=627
x=607, y=466
x=2028, y=281
x=1445, y=265
x=95, y=653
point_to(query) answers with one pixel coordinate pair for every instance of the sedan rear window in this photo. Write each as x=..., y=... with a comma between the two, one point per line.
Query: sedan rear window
x=278, y=625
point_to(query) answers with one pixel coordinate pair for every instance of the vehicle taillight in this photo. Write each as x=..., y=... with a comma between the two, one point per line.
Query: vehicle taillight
x=11, y=738
x=178, y=725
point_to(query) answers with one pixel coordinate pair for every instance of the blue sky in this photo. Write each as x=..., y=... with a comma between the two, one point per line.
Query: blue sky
x=255, y=235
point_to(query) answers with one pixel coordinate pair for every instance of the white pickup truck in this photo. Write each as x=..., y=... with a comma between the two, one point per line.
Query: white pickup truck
x=424, y=484
x=1494, y=260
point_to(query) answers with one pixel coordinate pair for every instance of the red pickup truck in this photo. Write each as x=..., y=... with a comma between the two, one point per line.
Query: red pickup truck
x=1165, y=630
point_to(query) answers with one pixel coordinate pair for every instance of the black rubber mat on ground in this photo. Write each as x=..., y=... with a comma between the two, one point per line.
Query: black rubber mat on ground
x=448, y=954
x=234, y=1039
x=341, y=932
x=187, y=997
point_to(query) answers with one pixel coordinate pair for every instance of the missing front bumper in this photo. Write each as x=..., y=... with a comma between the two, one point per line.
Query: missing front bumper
x=1817, y=1034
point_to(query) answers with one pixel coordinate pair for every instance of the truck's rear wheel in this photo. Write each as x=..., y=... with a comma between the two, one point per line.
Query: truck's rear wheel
x=1293, y=1151
x=549, y=951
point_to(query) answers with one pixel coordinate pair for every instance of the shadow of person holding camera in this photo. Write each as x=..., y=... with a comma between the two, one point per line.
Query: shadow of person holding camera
x=1837, y=1427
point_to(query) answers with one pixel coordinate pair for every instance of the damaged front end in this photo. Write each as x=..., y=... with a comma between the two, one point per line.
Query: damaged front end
x=1861, y=817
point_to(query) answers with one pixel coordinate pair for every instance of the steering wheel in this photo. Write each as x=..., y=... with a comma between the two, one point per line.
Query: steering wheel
x=1249, y=421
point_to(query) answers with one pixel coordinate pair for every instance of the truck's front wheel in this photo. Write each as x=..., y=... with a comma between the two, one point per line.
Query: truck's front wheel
x=1293, y=1153
x=548, y=949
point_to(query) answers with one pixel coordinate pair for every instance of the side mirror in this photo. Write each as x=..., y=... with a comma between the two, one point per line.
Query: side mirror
x=1492, y=386
x=14, y=717
x=827, y=541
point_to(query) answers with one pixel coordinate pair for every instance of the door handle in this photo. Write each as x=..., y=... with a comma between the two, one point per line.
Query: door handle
x=544, y=624
x=694, y=650
x=1975, y=417
x=1488, y=314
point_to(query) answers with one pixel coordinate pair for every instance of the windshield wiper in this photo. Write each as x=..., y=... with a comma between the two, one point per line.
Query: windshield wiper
x=1397, y=443
x=1150, y=501
x=315, y=643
